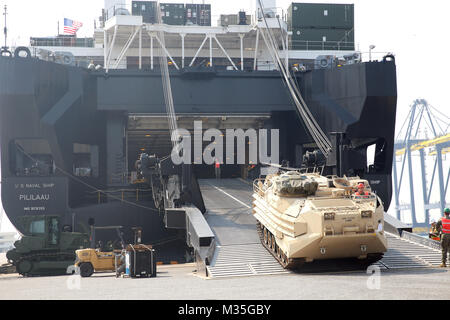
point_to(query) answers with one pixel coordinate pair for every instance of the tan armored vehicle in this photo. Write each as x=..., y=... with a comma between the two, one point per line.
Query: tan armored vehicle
x=307, y=217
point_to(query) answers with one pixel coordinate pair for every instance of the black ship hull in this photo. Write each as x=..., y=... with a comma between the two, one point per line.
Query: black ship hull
x=88, y=127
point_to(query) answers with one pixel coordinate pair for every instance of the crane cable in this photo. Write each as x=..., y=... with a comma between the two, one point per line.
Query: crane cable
x=304, y=112
x=167, y=88
x=313, y=127
x=309, y=120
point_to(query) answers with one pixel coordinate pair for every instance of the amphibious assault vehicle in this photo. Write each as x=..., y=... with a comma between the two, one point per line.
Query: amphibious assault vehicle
x=307, y=217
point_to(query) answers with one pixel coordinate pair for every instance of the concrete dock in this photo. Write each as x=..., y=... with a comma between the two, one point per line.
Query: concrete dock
x=243, y=270
x=180, y=283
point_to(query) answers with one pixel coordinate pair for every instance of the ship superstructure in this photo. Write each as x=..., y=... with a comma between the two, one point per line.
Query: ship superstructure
x=127, y=38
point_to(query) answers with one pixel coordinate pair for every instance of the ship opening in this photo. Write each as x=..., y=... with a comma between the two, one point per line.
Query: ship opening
x=150, y=134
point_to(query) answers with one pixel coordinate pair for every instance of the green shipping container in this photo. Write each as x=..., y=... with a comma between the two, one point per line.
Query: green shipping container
x=231, y=20
x=146, y=9
x=228, y=20
x=317, y=15
x=173, y=13
x=322, y=39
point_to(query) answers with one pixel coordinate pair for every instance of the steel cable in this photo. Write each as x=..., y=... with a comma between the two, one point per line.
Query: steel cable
x=314, y=129
x=167, y=87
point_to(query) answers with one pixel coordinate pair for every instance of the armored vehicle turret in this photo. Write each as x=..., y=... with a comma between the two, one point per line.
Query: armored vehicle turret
x=307, y=217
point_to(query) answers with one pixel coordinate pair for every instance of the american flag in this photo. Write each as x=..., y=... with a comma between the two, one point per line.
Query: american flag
x=71, y=27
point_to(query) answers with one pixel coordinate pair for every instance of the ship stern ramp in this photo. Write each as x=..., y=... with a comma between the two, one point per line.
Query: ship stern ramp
x=236, y=250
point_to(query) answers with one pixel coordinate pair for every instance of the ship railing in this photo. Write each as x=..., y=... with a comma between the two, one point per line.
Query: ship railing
x=121, y=195
x=367, y=56
x=35, y=52
x=421, y=240
x=61, y=57
x=118, y=10
x=306, y=45
x=66, y=41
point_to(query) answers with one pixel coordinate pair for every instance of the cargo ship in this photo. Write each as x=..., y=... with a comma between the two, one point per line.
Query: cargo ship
x=76, y=114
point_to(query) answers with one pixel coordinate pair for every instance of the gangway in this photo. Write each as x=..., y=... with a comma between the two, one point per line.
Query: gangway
x=239, y=252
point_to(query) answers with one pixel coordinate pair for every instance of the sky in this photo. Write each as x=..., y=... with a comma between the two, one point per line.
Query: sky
x=416, y=31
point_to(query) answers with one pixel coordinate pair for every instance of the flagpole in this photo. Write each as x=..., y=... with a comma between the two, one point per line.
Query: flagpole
x=5, y=30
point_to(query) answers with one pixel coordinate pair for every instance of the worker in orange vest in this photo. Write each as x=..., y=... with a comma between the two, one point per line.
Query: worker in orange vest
x=362, y=190
x=444, y=225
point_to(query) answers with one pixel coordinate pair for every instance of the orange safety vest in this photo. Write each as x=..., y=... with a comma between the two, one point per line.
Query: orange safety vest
x=217, y=165
x=445, y=225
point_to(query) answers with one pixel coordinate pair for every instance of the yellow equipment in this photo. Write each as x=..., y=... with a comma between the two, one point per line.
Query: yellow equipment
x=427, y=144
x=93, y=260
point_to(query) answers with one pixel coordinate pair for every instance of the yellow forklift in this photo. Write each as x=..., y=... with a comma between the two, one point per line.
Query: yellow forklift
x=96, y=260
x=131, y=259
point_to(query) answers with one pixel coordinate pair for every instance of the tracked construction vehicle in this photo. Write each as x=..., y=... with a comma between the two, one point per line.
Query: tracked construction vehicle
x=307, y=217
x=47, y=248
